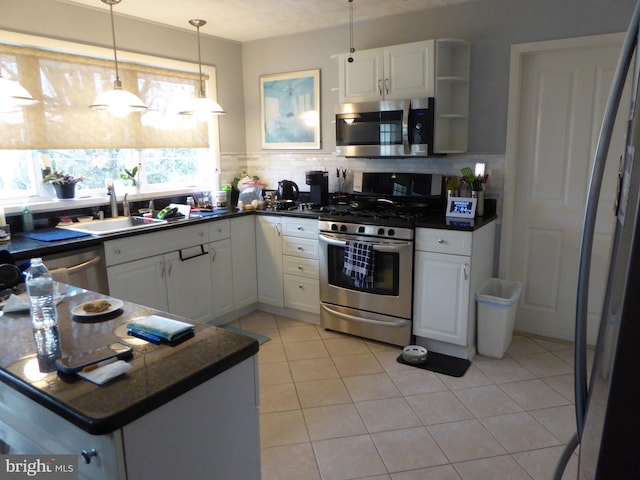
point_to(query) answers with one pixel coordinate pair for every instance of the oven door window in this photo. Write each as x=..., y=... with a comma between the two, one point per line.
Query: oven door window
x=385, y=274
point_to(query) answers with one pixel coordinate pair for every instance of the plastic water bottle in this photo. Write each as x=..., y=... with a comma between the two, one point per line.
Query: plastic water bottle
x=44, y=314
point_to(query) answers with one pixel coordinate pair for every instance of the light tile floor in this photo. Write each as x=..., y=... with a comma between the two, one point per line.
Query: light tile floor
x=336, y=407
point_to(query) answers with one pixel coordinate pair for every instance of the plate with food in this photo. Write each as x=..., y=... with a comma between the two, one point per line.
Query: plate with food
x=97, y=307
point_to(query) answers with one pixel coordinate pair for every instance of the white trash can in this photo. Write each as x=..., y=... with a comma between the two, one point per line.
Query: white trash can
x=496, y=307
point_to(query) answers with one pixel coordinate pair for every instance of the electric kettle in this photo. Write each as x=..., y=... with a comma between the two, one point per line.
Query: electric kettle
x=287, y=190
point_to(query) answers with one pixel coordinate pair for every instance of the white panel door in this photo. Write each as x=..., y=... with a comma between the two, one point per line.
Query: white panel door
x=563, y=93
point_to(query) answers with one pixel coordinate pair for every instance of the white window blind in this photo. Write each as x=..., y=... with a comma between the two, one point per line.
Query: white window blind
x=67, y=84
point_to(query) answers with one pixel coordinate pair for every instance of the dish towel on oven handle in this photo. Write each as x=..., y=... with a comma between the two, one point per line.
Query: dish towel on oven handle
x=359, y=263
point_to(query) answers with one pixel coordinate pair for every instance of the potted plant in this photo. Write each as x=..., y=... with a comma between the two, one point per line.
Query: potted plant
x=63, y=184
x=130, y=176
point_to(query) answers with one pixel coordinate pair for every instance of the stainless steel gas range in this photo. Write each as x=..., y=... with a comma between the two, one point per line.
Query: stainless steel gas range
x=375, y=302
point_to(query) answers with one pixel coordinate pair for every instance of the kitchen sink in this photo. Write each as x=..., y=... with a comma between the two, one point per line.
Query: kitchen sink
x=114, y=225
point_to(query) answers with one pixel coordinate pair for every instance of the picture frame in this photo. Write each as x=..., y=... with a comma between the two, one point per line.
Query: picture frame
x=290, y=110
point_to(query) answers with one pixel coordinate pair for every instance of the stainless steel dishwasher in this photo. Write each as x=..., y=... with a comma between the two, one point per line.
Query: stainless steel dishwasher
x=83, y=268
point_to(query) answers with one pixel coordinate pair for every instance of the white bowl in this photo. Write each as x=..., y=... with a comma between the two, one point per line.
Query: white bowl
x=414, y=354
x=88, y=218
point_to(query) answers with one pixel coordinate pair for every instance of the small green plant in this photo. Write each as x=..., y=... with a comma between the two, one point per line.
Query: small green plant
x=130, y=176
x=60, y=178
x=453, y=183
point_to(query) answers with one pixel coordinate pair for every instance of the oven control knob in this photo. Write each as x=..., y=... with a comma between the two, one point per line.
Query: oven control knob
x=334, y=226
x=381, y=231
x=391, y=232
x=343, y=228
x=361, y=229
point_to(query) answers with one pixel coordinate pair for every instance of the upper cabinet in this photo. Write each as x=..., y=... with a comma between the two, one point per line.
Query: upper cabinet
x=391, y=73
x=431, y=68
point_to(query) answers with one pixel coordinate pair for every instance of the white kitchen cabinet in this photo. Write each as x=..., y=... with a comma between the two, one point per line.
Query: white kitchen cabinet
x=211, y=431
x=243, y=259
x=221, y=277
x=188, y=283
x=167, y=270
x=141, y=281
x=450, y=265
x=176, y=282
x=300, y=264
x=269, y=260
x=442, y=296
x=398, y=72
x=221, y=284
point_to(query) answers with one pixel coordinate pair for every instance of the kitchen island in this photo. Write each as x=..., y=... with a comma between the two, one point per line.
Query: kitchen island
x=183, y=411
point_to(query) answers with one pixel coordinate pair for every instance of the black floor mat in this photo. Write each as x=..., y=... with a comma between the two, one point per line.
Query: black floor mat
x=440, y=363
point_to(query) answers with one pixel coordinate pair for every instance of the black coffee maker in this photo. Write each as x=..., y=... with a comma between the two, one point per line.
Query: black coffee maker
x=318, y=182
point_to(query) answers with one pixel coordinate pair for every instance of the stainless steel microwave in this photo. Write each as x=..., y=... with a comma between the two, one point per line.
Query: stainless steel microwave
x=389, y=128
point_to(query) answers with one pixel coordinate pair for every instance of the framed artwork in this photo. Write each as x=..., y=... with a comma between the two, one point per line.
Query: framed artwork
x=290, y=110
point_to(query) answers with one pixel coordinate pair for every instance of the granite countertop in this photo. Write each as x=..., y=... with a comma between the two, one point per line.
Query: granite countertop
x=23, y=248
x=160, y=373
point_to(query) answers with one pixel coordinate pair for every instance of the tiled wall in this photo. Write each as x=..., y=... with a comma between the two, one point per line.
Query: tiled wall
x=271, y=167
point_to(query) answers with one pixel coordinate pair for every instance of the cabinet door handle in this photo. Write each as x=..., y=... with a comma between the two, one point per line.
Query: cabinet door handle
x=202, y=252
x=380, y=86
x=213, y=255
x=163, y=268
x=387, y=84
x=278, y=229
x=441, y=241
x=88, y=454
x=465, y=269
x=299, y=228
x=300, y=268
x=300, y=286
x=300, y=248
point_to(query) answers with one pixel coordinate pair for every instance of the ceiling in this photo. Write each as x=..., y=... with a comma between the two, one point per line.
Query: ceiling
x=246, y=20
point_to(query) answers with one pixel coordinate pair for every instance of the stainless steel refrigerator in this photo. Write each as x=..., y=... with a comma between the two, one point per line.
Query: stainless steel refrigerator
x=608, y=411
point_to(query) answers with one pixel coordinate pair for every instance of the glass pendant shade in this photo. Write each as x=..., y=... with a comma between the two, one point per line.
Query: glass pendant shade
x=13, y=95
x=118, y=101
x=201, y=106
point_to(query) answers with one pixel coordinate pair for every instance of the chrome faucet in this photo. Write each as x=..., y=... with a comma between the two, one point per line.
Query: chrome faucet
x=125, y=206
x=111, y=191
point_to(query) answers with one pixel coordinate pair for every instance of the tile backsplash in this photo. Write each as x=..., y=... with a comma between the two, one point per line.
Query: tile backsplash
x=272, y=167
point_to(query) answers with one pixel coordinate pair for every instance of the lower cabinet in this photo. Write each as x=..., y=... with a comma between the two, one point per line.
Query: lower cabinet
x=211, y=431
x=177, y=282
x=269, y=258
x=300, y=264
x=221, y=276
x=201, y=274
x=449, y=266
x=441, y=310
x=243, y=261
x=141, y=281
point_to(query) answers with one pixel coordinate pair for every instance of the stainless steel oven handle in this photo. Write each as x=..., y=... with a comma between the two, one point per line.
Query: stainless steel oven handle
x=380, y=247
x=352, y=318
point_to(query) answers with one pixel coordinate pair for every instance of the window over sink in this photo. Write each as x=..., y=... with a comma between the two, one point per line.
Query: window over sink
x=62, y=133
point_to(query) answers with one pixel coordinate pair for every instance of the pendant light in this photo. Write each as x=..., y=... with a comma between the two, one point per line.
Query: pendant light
x=117, y=101
x=13, y=96
x=351, y=49
x=201, y=106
